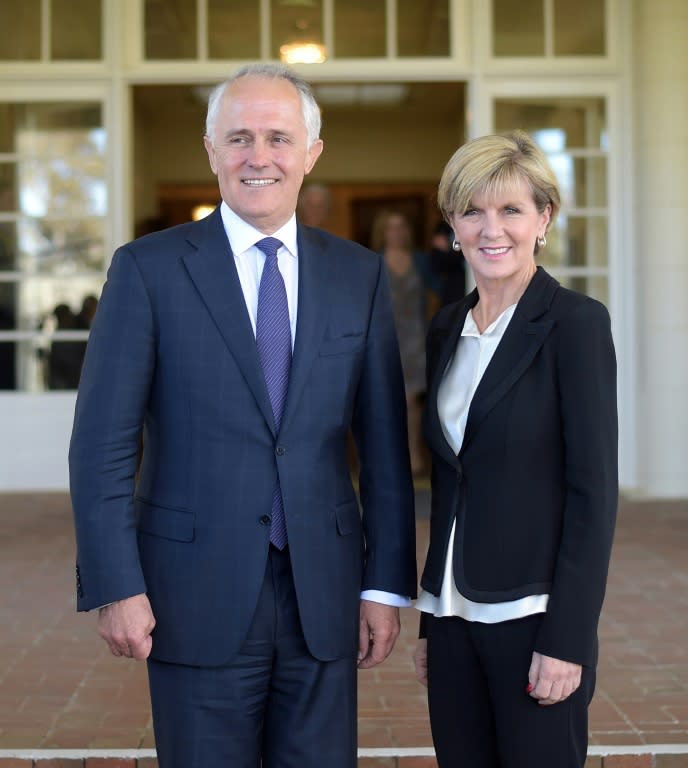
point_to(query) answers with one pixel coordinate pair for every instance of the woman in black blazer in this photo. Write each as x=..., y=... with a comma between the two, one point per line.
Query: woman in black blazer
x=521, y=422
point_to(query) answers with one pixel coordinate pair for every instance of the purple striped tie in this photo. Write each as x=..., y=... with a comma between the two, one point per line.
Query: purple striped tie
x=273, y=337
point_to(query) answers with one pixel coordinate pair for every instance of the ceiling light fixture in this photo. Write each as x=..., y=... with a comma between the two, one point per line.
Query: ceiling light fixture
x=303, y=52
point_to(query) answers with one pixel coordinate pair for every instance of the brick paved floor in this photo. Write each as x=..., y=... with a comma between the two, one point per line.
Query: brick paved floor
x=60, y=688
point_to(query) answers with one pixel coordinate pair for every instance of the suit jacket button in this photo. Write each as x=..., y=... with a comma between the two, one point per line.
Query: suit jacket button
x=265, y=520
x=280, y=450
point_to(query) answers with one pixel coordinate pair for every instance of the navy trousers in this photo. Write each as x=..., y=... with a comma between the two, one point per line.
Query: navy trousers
x=274, y=705
x=480, y=713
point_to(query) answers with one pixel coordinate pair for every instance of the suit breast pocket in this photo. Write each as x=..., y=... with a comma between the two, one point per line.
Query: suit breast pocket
x=344, y=345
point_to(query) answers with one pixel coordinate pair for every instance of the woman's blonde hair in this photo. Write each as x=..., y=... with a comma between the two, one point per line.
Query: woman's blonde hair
x=492, y=165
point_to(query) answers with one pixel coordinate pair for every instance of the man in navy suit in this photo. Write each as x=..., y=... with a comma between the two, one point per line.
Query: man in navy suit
x=236, y=560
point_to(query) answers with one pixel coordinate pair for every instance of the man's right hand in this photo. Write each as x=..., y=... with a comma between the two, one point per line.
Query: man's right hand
x=126, y=627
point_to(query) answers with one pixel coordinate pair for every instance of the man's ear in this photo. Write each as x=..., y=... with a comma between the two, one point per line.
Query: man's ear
x=314, y=152
x=210, y=149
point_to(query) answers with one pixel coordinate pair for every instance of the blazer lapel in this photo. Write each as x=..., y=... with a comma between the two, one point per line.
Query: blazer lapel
x=315, y=284
x=211, y=268
x=522, y=339
x=443, y=342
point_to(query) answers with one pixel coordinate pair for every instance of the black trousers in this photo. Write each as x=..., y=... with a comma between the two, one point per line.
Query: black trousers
x=480, y=713
x=274, y=706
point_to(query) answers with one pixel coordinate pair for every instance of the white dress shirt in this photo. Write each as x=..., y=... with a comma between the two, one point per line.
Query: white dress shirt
x=456, y=390
x=249, y=261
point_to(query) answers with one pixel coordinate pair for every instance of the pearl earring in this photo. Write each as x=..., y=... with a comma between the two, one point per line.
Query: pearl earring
x=542, y=241
x=456, y=245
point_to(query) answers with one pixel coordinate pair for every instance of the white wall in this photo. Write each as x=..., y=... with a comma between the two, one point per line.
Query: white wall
x=35, y=440
x=661, y=229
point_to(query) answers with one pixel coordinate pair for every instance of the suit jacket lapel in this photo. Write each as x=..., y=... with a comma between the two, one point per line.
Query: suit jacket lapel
x=211, y=267
x=522, y=339
x=315, y=283
x=445, y=337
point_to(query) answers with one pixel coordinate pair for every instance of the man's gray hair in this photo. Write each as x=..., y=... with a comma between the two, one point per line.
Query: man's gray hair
x=269, y=70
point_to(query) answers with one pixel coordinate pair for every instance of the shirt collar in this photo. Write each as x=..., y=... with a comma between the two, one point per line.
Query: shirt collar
x=496, y=328
x=242, y=235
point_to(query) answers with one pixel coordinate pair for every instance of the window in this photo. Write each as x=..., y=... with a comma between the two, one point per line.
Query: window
x=573, y=134
x=53, y=204
x=51, y=30
x=537, y=28
x=303, y=31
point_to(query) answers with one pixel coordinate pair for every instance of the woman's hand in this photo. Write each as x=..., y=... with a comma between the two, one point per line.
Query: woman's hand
x=420, y=662
x=552, y=680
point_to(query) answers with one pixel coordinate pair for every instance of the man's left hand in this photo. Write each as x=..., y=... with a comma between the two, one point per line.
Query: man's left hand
x=378, y=629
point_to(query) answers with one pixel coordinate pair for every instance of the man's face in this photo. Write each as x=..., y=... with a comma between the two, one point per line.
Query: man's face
x=259, y=150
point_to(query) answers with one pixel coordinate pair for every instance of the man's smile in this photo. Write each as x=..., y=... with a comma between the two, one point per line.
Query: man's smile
x=259, y=182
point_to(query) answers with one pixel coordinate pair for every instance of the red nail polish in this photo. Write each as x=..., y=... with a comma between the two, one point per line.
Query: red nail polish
x=529, y=688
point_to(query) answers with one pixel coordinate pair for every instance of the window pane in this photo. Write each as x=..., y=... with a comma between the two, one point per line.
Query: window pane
x=576, y=241
x=38, y=297
x=359, y=28
x=589, y=189
x=20, y=30
x=60, y=246
x=233, y=29
x=8, y=246
x=579, y=122
x=8, y=187
x=7, y=127
x=423, y=27
x=518, y=27
x=579, y=28
x=71, y=183
x=61, y=188
x=48, y=307
x=585, y=243
x=295, y=24
x=37, y=118
x=76, y=31
x=8, y=378
x=7, y=306
x=582, y=180
x=595, y=286
x=170, y=29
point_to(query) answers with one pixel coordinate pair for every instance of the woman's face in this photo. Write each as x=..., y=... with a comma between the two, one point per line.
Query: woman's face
x=396, y=232
x=498, y=234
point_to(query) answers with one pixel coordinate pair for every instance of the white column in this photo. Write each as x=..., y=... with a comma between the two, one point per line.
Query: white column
x=660, y=215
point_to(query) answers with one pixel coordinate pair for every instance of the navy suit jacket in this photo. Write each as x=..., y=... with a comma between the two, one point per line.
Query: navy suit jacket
x=534, y=488
x=172, y=352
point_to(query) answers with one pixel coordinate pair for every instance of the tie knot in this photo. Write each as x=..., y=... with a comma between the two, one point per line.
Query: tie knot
x=269, y=246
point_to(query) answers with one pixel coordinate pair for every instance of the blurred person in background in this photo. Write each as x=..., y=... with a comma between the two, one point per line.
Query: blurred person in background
x=411, y=280
x=449, y=265
x=314, y=205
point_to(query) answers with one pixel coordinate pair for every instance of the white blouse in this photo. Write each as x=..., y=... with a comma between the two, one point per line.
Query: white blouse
x=459, y=383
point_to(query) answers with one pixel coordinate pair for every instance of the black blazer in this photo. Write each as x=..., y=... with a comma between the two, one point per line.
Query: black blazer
x=534, y=488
